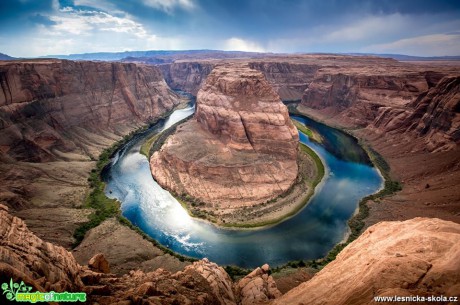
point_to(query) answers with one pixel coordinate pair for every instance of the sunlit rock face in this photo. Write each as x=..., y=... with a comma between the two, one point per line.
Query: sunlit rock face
x=414, y=257
x=240, y=148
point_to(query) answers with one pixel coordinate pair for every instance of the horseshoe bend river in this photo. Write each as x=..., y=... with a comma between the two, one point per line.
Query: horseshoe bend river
x=310, y=234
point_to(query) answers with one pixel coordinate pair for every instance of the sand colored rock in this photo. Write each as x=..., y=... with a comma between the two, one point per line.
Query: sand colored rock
x=240, y=148
x=98, y=263
x=124, y=250
x=46, y=267
x=24, y=256
x=46, y=106
x=414, y=257
x=258, y=287
x=217, y=278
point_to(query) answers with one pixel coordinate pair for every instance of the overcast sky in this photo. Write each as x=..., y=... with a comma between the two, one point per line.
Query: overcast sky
x=44, y=27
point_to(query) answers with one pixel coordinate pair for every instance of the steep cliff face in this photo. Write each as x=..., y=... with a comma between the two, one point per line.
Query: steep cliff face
x=421, y=103
x=239, y=106
x=433, y=116
x=356, y=95
x=186, y=76
x=415, y=257
x=240, y=149
x=56, y=117
x=46, y=106
x=289, y=79
x=26, y=257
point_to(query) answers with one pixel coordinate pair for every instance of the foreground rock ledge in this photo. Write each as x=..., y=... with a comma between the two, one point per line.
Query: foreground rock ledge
x=239, y=150
x=415, y=257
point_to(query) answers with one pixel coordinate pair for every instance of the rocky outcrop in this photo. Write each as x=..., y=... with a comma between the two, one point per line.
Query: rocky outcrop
x=56, y=117
x=357, y=94
x=24, y=256
x=414, y=257
x=240, y=149
x=218, y=279
x=396, y=99
x=46, y=267
x=258, y=287
x=239, y=106
x=98, y=263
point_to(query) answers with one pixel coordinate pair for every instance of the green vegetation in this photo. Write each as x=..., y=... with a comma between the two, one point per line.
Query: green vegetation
x=236, y=272
x=314, y=136
x=104, y=207
x=145, y=148
x=356, y=223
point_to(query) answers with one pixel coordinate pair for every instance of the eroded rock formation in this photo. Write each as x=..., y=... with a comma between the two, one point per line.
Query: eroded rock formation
x=48, y=108
x=415, y=257
x=46, y=267
x=240, y=149
x=56, y=117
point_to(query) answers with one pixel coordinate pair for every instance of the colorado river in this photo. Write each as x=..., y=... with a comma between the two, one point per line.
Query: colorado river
x=308, y=235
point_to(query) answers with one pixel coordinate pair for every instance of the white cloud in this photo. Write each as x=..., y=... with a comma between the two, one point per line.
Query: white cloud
x=169, y=5
x=238, y=44
x=85, y=22
x=85, y=31
x=426, y=45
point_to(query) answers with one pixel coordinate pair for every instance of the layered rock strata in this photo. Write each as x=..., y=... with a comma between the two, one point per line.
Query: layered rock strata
x=56, y=117
x=240, y=148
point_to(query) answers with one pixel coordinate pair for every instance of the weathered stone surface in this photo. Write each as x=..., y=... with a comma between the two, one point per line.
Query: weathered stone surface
x=24, y=256
x=124, y=249
x=414, y=257
x=218, y=279
x=98, y=263
x=46, y=267
x=186, y=76
x=258, y=287
x=240, y=148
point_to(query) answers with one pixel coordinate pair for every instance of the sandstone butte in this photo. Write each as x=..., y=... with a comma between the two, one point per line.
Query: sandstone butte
x=414, y=257
x=239, y=150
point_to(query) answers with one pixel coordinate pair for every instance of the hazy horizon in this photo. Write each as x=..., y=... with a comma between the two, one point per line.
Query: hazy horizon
x=35, y=28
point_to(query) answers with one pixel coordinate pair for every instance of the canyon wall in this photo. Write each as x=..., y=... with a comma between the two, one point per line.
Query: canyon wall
x=186, y=76
x=46, y=107
x=240, y=149
x=56, y=117
x=47, y=267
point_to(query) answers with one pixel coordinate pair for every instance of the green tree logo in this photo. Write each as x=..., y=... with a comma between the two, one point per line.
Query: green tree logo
x=13, y=288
